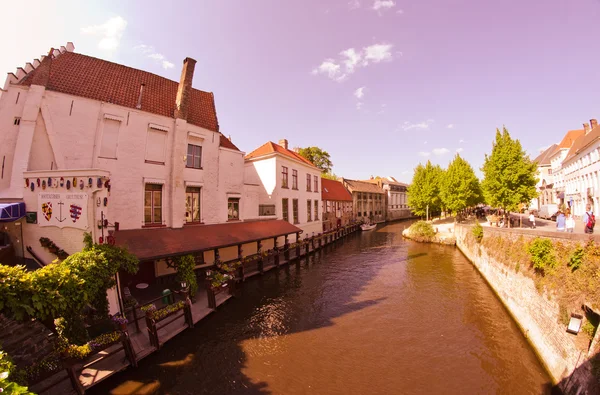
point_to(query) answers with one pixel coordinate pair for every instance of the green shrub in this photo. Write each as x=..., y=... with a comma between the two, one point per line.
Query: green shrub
x=422, y=229
x=542, y=256
x=588, y=328
x=8, y=383
x=478, y=232
x=185, y=272
x=576, y=258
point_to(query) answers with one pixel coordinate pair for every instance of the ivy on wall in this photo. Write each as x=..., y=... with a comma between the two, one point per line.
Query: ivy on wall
x=53, y=248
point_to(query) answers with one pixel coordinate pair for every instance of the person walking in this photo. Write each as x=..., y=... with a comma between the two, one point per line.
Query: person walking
x=532, y=219
x=570, y=224
x=560, y=222
x=589, y=220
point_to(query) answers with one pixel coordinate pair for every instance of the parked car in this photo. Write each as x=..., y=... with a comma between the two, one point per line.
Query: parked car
x=548, y=211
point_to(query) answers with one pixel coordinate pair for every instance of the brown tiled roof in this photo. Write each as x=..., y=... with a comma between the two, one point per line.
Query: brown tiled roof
x=334, y=190
x=582, y=142
x=99, y=79
x=158, y=243
x=386, y=180
x=226, y=143
x=363, y=186
x=543, y=159
x=270, y=148
x=570, y=138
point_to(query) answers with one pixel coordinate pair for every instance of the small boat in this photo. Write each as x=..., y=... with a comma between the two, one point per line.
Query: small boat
x=368, y=227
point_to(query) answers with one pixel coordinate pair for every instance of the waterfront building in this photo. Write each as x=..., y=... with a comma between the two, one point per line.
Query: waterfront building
x=581, y=171
x=368, y=200
x=396, y=197
x=337, y=204
x=133, y=158
x=545, y=178
x=556, y=159
x=285, y=185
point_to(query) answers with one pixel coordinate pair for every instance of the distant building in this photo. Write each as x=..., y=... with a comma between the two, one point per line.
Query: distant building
x=368, y=200
x=337, y=204
x=545, y=178
x=396, y=198
x=556, y=159
x=581, y=171
x=284, y=185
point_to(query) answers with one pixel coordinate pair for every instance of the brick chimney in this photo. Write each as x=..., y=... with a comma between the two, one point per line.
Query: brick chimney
x=182, y=100
x=283, y=143
x=586, y=127
x=593, y=123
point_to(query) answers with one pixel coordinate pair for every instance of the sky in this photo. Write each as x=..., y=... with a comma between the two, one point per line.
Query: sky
x=382, y=85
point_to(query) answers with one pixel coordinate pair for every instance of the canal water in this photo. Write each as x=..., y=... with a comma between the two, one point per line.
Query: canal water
x=374, y=314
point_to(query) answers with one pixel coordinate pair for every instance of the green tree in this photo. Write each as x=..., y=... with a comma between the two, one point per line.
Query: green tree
x=318, y=157
x=460, y=186
x=424, y=191
x=509, y=174
x=330, y=176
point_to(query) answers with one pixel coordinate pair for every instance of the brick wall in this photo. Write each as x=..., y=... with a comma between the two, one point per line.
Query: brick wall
x=536, y=314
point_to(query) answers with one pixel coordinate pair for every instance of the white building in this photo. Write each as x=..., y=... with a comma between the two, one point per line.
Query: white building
x=545, y=178
x=396, y=199
x=286, y=185
x=581, y=171
x=557, y=157
x=83, y=139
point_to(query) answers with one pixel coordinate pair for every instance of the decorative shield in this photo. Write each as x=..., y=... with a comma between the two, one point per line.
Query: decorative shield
x=62, y=182
x=68, y=184
x=44, y=184
x=99, y=183
x=26, y=182
x=47, y=210
x=75, y=212
x=80, y=184
x=32, y=186
x=90, y=182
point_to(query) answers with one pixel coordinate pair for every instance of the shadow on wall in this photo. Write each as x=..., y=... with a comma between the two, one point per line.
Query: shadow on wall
x=576, y=383
x=210, y=358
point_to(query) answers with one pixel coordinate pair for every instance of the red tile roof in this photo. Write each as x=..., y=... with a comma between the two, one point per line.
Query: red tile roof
x=582, y=142
x=334, y=190
x=158, y=243
x=226, y=143
x=271, y=148
x=98, y=79
x=363, y=186
x=543, y=159
x=570, y=138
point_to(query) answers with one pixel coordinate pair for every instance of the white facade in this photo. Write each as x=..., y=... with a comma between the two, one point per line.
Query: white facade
x=265, y=185
x=582, y=179
x=65, y=139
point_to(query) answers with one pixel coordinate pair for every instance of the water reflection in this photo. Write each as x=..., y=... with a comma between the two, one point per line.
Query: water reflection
x=375, y=314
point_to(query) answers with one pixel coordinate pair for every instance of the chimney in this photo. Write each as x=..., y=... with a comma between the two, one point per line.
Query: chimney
x=229, y=137
x=586, y=127
x=139, y=103
x=593, y=123
x=182, y=100
x=283, y=143
x=70, y=47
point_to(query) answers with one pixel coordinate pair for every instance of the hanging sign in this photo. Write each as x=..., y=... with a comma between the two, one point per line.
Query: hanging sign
x=65, y=210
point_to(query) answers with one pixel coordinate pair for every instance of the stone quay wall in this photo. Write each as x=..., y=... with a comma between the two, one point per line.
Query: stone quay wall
x=536, y=313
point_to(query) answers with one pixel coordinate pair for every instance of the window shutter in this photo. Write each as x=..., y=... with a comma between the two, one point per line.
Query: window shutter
x=110, y=137
x=156, y=143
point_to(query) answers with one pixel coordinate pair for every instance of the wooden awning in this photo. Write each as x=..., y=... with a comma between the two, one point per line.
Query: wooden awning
x=159, y=243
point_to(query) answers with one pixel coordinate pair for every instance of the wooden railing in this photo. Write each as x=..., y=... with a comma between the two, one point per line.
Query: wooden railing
x=153, y=325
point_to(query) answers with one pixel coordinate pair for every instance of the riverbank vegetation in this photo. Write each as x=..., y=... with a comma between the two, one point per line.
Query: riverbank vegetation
x=421, y=231
x=568, y=271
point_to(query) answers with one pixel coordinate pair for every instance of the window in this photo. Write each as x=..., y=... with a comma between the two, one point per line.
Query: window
x=192, y=204
x=294, y=179
x=194, y=156
x=316, y=210
x=359, y=214
x=110, y=136
x=17, y=121
x=266, y=209
x=156, y=143
x=153, y=204
x=284, y=177
x=284, y=209
x=233, y=209
x=308, y=182
x=295, y=210
x=316, y=184
x=328, y=206
x=308, y=211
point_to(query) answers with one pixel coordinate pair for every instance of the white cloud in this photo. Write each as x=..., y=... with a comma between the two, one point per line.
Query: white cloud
x=425, y=142
x=450, y=126
x=110, y=33
x=354, y=4
x=421, y=125
x=359, y=105
x=360, y=92
x=461, y=141
x=400, y=12
x=424, y=154
x=350, y=60
x=380, y=5
x=440, y=151
x=459, y=150
x=406, y=172
x=149, y=51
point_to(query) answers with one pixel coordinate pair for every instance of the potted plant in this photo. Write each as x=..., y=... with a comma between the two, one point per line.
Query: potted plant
x=149, y=309
x=120, y=321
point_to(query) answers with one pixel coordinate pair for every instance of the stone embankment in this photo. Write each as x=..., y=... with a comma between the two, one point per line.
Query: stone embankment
x=535, y=311
x=444, y=234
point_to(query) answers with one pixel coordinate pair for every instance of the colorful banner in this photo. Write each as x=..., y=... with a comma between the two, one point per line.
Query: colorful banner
x=65, y=210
